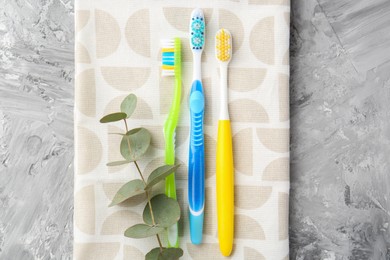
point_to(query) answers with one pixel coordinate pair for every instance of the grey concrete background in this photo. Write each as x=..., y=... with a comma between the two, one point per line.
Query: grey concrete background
x=340, y=131
x=36, y=129
x=340, y=83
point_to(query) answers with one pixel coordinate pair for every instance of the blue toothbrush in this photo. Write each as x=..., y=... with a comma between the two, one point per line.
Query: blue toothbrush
x=196, y=165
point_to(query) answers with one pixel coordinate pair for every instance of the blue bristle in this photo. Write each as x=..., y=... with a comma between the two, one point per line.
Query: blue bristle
x=168, y=58
x=168, y=63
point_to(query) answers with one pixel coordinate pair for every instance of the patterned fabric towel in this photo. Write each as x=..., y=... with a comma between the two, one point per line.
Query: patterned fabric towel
x=118, y=53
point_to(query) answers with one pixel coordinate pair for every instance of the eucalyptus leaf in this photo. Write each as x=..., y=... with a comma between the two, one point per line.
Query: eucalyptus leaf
x=128, y=104
x=117, y=163
x=160, y=174
x=113, y=117
x=170, y=254
x=128, y=190
x=166, y=254
x=142, y=231
x=166, y=211
x=153, y=254
x=139, y=141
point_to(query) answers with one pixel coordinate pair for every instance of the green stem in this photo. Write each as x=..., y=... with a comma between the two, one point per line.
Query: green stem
x=146, y=192
x=150, y=205
x=127, y=129
x=159, y=243
x=127, y=138
x=139, y=171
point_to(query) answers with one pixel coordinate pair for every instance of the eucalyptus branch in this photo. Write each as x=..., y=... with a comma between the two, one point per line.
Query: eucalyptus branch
x=139, y=171
x=165, y=211
x=146, y=192
x=150, y=205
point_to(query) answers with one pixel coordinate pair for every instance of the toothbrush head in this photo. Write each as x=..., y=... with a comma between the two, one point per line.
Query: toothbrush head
x=171, y=57
x=223, y=45
x=197, y=30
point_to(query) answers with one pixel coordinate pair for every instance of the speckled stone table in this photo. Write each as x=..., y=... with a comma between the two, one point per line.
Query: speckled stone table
x=340, y=83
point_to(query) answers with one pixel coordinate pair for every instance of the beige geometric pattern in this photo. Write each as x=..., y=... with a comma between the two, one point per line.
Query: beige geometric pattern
x=284, y=98
x=277, y=170
x=125, y=78
x=119, y=221
x=210, y=223
x=142, y=111
x=246, y=79
x=229, y=20
x=81, y=19
x=86, y=92
x=138, y=27
x=275, y=139
x=117, y=52
x=178, y=16
x=90, y=152
x=81, y=55
x=243, y=151
x=96, y=251
x=108, y=34
x=262, y=40
x=244, y=195
x=204, y=251
x=249, y=228
x=85, y=207
x=255, y=111
x=252, y=254
x=210, y=146
x=283, y=215
x=209, y=113
x=130, y=252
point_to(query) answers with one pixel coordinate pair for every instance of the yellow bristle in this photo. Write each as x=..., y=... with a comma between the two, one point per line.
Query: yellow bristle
x=167, y=67
x=168, y=49
x=223, y=45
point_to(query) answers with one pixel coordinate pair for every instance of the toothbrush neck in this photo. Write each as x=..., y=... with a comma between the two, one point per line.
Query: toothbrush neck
x=197, y=61
x=223, y=106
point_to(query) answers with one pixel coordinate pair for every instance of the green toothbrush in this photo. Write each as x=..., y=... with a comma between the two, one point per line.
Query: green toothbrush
x=171, y=66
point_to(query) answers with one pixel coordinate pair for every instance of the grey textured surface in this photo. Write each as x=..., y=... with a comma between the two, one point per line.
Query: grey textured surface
x=340, y=130
x=340, y=63
x=36, y=129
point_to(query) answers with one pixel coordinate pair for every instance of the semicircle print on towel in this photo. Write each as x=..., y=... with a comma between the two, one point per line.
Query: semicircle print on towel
x=118, y=52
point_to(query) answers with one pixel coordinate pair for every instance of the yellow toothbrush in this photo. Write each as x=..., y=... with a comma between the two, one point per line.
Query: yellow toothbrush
x=225, y=168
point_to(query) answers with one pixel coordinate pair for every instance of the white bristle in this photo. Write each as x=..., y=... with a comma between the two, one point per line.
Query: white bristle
x=167, y=43
x=167, y=73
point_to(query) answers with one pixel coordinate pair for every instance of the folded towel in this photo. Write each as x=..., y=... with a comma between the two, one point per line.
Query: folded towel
x=118, y=53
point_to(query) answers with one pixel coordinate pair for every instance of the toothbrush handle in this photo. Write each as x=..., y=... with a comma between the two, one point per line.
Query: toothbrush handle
x=225, y=187
x=172, y=231
x=196, y=165
x=170, y=184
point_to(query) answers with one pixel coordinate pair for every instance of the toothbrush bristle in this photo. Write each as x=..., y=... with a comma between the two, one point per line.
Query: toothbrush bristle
x=223, y=45
x=170, y=56
x=197, y=30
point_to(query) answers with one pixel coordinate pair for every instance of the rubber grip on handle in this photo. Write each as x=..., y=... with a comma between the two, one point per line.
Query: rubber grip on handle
x=196, y=166
x=225, y=187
